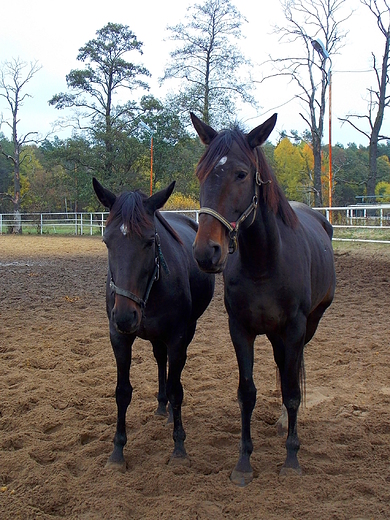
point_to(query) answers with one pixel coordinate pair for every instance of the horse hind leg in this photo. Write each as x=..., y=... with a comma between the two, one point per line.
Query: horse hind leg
x=282, y=423
x=315, y=316
x=177, y=354
x=289, y=358
x=160, y=354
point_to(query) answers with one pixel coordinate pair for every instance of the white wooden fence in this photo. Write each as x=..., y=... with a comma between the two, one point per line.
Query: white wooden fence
x=371, y=221
x=62, y=223
x=359, y=223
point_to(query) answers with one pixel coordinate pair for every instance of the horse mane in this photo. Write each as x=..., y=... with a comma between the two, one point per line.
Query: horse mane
x=129, y=209
x=272, y=192
x=168, y=227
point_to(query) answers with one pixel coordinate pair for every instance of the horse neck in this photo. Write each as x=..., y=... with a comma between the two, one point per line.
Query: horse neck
x=259, y=244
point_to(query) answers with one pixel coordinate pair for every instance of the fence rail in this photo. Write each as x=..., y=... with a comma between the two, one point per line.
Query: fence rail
x=359, y=223
x=62, y=223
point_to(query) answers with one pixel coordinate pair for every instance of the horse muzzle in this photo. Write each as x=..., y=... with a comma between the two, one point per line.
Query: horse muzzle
x=126, y=316
x=210, y=256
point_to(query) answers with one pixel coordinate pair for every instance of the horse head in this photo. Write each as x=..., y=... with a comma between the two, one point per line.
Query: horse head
x=229, y=175
x=133, y=252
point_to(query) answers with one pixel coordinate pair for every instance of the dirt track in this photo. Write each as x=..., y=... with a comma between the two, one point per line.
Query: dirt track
x=58, y=412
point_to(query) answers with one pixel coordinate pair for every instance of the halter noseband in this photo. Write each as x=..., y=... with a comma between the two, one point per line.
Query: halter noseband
x=155, y=276
x=233, y=227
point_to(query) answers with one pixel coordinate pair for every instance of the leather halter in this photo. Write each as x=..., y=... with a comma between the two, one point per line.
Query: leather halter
x=233, y=227
x=155, y=276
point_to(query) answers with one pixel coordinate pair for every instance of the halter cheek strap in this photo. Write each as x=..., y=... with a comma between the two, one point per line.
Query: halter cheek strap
x=233, y=227
x=128, y=294
x=155, y=276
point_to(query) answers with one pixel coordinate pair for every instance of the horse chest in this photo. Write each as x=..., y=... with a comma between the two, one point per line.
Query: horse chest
x=258, y=307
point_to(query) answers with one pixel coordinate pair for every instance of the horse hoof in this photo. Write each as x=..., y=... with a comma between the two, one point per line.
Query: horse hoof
x=179, y=460
x=119, y=467
x=241, y=478
x=161, y=412
x=290, y=472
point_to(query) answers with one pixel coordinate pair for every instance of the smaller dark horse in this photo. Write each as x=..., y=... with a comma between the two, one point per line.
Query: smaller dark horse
x=280, y=276
x=155, y=291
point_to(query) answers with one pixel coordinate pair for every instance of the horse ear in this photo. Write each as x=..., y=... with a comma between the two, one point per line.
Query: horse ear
x=158, y=200
x=105, y=196
x=205, y=132
x=261, y=133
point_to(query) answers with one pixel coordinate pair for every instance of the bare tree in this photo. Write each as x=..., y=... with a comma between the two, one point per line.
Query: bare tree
x=13, y=79
x=378, y=99
x=307, y=22
x=208, y=63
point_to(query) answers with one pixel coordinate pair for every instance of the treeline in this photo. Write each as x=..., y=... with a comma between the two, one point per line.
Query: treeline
x=56, y=176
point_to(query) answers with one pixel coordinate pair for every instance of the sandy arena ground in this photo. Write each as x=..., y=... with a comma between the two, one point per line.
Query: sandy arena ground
x=58, y=412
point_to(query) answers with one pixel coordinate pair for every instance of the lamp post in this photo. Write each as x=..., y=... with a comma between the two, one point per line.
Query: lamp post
x=320, y=48
x=150, y=132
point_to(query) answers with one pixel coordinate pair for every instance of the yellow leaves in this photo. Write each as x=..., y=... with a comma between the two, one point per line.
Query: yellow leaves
x=72, y=299
x=382, y=189
x=4, y=489
x=179, y=201
x=294, y=165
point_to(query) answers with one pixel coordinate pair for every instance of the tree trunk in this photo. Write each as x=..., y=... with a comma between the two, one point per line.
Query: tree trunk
x=372, y=159
x=206, y=101
x=17, y=227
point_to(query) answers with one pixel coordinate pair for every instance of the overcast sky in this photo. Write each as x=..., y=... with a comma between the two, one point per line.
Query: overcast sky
x=52, y=33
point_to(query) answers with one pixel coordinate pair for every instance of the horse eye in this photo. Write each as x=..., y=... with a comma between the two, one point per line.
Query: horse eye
x=149, y=243
x=241, y=175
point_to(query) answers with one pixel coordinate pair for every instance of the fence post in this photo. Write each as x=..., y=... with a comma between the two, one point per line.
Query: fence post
x=41, y=223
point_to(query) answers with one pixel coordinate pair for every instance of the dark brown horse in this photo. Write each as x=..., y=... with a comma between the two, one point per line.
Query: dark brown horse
x=155, y=291
x=280, y=276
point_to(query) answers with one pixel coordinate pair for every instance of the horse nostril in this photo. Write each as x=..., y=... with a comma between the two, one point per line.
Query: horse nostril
x=216, y=253
x=125, y=321
x=208, y=255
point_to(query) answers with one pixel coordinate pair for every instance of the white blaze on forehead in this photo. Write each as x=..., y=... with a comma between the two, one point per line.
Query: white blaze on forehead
x=123, y=228
x=222, y=161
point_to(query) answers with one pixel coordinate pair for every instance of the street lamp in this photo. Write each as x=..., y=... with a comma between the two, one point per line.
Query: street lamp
x=320, y=48
x=150, y=132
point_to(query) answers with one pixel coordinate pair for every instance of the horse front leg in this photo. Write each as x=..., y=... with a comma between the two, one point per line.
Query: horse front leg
x=242, y=474
x=122, y=346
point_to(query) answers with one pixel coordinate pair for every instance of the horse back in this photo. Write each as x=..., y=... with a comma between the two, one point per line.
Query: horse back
x=317, y=235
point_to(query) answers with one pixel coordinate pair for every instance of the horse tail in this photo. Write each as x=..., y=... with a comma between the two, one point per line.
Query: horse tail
x=328, y=228
x=302, y=382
